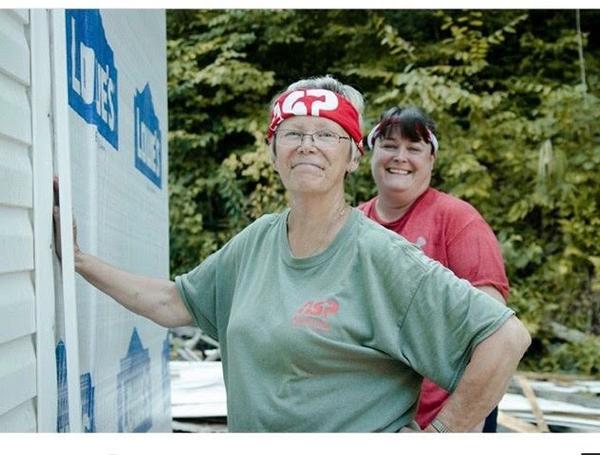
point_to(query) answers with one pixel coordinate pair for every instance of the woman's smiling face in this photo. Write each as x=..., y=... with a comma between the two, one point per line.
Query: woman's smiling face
x=401, y=168
x=308, y=166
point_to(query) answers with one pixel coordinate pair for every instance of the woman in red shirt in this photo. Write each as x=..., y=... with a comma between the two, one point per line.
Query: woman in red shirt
x=446, y=228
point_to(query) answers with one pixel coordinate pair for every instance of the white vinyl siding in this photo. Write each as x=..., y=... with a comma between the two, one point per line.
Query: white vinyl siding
x=17, y=296
x=17, y=372
x=20, y=419
x=17, y=311
x=15, y=114
x=15, y=174
x=16, y=239
x=13, y=26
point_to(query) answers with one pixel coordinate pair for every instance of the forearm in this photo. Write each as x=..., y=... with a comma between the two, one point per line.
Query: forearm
x=153, y=298
x=486, y=378
x=492, y=292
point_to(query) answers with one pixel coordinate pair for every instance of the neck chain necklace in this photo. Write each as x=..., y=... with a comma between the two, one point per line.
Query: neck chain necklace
x=339, y=213
x=320, y=244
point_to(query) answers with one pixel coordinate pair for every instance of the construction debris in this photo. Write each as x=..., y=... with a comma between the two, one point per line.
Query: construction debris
x=197, y=390
x=512, y=424
x=207, y=426
x=198, y=399
x=555, y=403
x=530, y=395
x=190, y=343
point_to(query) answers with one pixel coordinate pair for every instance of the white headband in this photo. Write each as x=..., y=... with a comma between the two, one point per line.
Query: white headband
x=375, y=132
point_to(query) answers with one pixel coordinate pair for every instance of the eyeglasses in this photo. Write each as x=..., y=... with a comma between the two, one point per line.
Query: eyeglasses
x=321, y=139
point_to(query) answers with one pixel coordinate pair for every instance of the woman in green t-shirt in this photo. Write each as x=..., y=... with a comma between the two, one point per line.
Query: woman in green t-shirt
x=326, y=320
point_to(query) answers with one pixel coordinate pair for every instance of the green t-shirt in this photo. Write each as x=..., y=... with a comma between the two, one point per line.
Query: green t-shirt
x=338, y=341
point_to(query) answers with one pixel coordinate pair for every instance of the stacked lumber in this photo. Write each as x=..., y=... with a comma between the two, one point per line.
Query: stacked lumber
x=541, y=403
x=198, y=398
x=191, y=343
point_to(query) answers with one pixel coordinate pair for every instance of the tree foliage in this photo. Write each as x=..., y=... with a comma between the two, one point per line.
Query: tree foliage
x=519, y=134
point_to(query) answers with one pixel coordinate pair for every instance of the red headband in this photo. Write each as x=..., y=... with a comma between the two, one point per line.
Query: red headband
x=316, y=103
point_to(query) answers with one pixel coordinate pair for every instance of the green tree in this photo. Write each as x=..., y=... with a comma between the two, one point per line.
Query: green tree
x=518, y=129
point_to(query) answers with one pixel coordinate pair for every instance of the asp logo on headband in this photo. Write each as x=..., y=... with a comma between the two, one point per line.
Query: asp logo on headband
x=316, y=103
x=305, y=102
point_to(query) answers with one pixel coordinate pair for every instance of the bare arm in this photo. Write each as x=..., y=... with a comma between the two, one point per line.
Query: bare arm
x=492, y=292
x=154, y=298
x=486, y=377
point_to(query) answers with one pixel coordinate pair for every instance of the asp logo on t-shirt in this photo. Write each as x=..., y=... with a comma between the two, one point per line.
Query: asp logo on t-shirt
x=314, y=314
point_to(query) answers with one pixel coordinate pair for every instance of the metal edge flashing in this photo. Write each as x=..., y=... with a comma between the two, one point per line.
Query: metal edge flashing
x=62, y=151
x=41, y=155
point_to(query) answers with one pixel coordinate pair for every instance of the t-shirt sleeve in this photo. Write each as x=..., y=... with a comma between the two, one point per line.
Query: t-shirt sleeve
x=447, y=318
x=474, y=254
x=198, y=290
x=207, y=291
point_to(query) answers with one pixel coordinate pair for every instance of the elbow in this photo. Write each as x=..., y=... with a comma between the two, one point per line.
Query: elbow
x=168, y=324
x=508, y=344
x=170, y=311
x=162, y=313
x=518, y=336
x=526, y=340
x=158, y=315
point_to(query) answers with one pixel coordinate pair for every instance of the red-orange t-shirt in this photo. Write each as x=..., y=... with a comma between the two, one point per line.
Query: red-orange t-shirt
x=452, y=232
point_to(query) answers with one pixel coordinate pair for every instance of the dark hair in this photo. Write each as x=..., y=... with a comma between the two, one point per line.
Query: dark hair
x=409, y=122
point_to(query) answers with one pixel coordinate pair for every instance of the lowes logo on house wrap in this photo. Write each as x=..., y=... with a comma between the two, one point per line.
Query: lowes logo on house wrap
x=88, y=408
x=62, y=416
x=134, y=388
x=91, y=73
x=166, y=384
x=148, y=155
x=87, y=395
